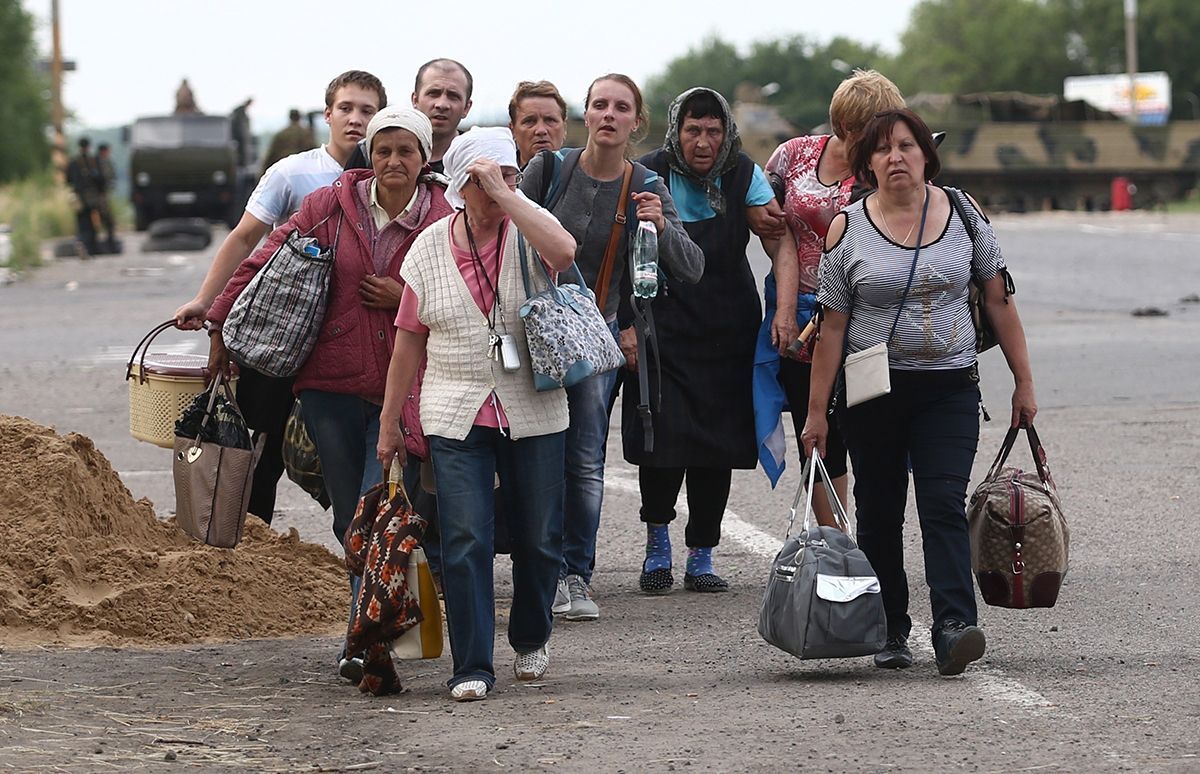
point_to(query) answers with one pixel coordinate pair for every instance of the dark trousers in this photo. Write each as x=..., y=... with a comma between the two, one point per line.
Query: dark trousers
x=266, y=402
x=707, y=495
x=931, y=422
x=795, y=378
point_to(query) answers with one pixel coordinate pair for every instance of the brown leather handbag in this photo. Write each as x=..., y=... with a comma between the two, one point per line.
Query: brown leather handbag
x=213, y=467
x=1019, y=536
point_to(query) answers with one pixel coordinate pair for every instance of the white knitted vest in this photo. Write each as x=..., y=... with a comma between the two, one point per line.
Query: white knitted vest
x=460, y=375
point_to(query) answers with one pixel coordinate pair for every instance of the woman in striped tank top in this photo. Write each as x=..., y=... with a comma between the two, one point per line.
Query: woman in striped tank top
x=930, y=419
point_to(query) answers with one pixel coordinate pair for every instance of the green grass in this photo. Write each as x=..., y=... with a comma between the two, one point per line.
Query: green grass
x=36, y=209
x=1188, y=205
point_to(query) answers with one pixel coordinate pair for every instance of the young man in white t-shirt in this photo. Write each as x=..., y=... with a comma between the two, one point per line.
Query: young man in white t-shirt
x=351, y=100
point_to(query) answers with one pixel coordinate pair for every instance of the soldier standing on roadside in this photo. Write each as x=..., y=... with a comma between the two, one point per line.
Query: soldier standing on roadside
x=83, y=175
x=106, y=179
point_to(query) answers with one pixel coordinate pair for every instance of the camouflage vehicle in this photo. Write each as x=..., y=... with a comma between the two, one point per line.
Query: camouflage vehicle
x=185, y=165
x=1022, y=152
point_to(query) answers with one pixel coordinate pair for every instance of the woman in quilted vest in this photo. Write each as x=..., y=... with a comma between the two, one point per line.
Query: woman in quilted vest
x=897, y=271
x=370, y=217
x=484, y=420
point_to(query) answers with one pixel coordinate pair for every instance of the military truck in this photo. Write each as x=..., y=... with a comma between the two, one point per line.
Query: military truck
x=186, y=165
x=1022, y=152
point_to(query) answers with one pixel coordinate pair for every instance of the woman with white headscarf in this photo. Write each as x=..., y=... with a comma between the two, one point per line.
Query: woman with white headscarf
x=370, y=218
x=460, y=309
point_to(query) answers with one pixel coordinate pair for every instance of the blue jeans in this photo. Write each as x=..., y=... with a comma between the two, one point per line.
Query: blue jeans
x=345, y=429
x=531, y=477
x=931, y=420
x=587, y=441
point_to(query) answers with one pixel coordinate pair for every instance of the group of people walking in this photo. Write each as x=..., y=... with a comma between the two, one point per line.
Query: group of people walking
x=432, y=229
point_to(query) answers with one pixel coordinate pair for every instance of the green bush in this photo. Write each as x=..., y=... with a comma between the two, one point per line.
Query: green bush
x=36, y=209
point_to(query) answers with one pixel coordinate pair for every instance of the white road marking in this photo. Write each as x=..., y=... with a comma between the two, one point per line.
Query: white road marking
x=120, y=352
x=989, y=681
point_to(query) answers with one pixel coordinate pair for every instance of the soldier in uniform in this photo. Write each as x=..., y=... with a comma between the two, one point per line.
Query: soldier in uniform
x=107, y=179
x=293, y=138
x=83, y=175
x=185, y=101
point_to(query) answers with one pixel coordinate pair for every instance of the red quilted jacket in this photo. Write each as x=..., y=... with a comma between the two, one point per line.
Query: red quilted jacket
x=355, y=344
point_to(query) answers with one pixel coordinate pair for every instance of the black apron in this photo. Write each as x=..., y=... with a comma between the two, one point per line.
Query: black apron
x=706, y=337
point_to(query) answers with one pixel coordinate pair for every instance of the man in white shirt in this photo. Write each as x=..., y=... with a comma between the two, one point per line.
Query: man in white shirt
x=351, y=99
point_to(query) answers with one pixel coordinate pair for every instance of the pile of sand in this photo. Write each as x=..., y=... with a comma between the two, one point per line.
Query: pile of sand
x=81, y=563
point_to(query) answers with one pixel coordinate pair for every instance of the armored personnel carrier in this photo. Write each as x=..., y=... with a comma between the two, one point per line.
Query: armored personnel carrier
x=1023, y=152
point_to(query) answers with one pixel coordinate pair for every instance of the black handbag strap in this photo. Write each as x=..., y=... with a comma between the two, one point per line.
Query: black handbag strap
x=912, y=270
x=1035, y=448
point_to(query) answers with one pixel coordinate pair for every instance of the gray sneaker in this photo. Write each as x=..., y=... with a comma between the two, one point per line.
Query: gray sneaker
x=562, y=598
x=582, y=607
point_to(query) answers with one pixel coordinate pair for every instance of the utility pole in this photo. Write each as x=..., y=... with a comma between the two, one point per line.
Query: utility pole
x=1131, y=56
x=59, y=152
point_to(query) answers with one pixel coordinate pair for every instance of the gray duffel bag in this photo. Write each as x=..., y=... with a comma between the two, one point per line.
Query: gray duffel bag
x=822, y=599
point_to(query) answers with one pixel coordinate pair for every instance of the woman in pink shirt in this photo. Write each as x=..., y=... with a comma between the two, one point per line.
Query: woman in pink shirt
x=461, y=311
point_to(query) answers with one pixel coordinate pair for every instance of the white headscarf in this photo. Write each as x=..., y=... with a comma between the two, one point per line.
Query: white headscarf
x=397, y=117
x=490, y=142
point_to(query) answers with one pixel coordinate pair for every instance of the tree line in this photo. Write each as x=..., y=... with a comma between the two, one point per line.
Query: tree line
x=955, y=47
x=948, y=46
x=24, y=105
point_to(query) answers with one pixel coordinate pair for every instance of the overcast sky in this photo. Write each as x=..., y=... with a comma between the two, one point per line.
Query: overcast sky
x=131, y=54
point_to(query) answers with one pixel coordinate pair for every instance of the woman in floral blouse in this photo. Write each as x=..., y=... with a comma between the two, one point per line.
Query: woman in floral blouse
x=814, y=174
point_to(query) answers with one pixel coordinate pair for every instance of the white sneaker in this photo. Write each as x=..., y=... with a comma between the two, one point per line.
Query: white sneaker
x=562, y=598
x=582, y=607
x=532, y=665
x=469, y=690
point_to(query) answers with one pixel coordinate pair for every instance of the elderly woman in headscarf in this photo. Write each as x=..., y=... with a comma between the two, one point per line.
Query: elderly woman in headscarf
x=703, y=424
x=370, y=218
x=461, y=310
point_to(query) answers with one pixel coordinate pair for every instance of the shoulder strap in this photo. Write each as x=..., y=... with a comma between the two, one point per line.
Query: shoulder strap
x=554, y=184
x=956, y=201
x=620, y=219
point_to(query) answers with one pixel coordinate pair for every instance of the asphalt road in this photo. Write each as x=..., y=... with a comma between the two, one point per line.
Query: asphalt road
x=1107, y=680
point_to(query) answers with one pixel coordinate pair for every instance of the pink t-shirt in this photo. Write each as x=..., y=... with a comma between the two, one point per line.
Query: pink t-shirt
x=483, y=290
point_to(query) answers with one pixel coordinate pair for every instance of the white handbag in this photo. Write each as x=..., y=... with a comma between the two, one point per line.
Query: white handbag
x=867, y=375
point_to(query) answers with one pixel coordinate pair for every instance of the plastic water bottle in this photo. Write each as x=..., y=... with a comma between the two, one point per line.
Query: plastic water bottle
x=645, y=261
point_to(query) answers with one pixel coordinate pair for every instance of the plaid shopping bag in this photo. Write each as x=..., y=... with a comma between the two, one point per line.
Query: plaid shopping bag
x=273, y=325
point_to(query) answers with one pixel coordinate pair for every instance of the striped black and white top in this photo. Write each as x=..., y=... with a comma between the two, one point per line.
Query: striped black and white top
x=865, y=273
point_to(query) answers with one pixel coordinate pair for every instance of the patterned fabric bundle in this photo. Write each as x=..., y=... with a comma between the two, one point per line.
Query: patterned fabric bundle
x=379, y=545
x=567, y=336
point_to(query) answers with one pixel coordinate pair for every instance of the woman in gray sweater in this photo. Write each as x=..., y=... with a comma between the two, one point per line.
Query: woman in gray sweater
x=586, y=198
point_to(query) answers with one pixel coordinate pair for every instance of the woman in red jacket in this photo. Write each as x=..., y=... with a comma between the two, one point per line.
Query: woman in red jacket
x=370, y=217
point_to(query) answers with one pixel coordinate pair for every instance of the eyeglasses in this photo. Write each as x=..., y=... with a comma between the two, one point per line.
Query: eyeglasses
x=511, y=179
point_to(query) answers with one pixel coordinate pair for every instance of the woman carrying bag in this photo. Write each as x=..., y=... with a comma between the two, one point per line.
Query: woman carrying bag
x=587, y=197
x=483, y=417
x=896, y=271
x=369, y=218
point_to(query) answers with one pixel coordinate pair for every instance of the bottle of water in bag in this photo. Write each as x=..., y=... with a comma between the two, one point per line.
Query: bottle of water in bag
x=645, y=261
